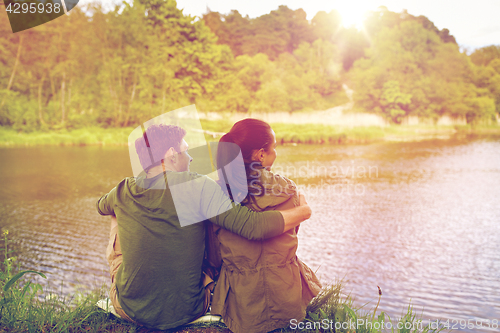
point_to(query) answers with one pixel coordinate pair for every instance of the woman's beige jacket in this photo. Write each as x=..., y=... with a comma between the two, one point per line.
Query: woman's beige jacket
x=263, y=284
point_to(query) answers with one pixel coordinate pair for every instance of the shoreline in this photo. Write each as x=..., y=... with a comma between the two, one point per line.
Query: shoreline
x=286, y=134
x=331, y=311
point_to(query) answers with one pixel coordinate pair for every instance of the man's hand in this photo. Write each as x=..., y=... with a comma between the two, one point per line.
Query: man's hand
x=293, y=217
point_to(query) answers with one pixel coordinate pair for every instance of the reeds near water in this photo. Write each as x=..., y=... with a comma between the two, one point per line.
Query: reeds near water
x=24, y=307
x=285, y=134
x=78, y=137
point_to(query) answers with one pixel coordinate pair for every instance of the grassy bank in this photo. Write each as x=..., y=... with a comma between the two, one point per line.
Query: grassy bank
x=285, y=134
x=25, y=308
x=329, y=312
x=327, y=134
x=77, y=137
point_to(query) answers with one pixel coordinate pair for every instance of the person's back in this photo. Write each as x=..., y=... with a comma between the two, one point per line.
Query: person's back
x=155, y=263
x=262, y=284
x=151, y=292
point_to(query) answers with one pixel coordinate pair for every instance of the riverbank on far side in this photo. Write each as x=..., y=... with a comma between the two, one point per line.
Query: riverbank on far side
x=286, y=133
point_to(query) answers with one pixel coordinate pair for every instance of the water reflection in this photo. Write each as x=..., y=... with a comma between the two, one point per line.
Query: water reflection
x=426, y=229
x=423, y=225
x=54, y=173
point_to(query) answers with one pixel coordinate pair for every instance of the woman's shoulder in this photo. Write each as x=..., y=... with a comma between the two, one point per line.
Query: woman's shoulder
x=268, y=177
x=276, y=190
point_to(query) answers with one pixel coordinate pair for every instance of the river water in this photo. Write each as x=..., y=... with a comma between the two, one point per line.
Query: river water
x=419, y=219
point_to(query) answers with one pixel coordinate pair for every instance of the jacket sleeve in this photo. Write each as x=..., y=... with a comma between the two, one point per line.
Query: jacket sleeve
x=106, y=203
x=220, y=210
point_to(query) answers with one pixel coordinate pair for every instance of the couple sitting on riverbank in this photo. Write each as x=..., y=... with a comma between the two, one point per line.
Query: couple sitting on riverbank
x=156, y=264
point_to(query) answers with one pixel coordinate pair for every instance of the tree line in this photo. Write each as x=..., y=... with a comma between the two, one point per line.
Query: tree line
x=124, y=66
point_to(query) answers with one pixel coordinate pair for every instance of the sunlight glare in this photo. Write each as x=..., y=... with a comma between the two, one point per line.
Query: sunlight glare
x=351, y=15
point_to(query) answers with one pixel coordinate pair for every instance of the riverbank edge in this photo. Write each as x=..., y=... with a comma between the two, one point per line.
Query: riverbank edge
x=26, y=307
x=332, y=311
x=285, y=134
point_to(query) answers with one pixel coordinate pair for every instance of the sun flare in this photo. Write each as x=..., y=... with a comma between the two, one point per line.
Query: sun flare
x=352, y=15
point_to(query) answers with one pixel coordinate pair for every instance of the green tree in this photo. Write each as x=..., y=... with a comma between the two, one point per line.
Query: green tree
x=253, y=72
x=326, y=26
x=487, y=79
x=409, y=70
x=495, y=64
x=350, y=42
x=393, y=102
x=382, y=18
x=320, y=63
x=484, y=55
x=280, y=31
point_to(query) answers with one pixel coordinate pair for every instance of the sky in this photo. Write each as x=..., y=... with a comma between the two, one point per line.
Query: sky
x=474, y=23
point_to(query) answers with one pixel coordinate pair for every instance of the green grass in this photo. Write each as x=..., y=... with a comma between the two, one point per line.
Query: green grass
x=285, y=134
x=328, y=134
x=324, y=134
x=77, y=137
x=25, y=308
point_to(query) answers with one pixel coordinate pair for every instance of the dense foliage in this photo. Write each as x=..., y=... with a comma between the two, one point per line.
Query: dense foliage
x=121, y=67
x=413, y=70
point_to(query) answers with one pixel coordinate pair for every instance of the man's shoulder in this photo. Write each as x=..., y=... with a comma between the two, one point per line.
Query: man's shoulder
x=189, y=180
x=126, y=182
x=184, y=176
x=123, y=183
